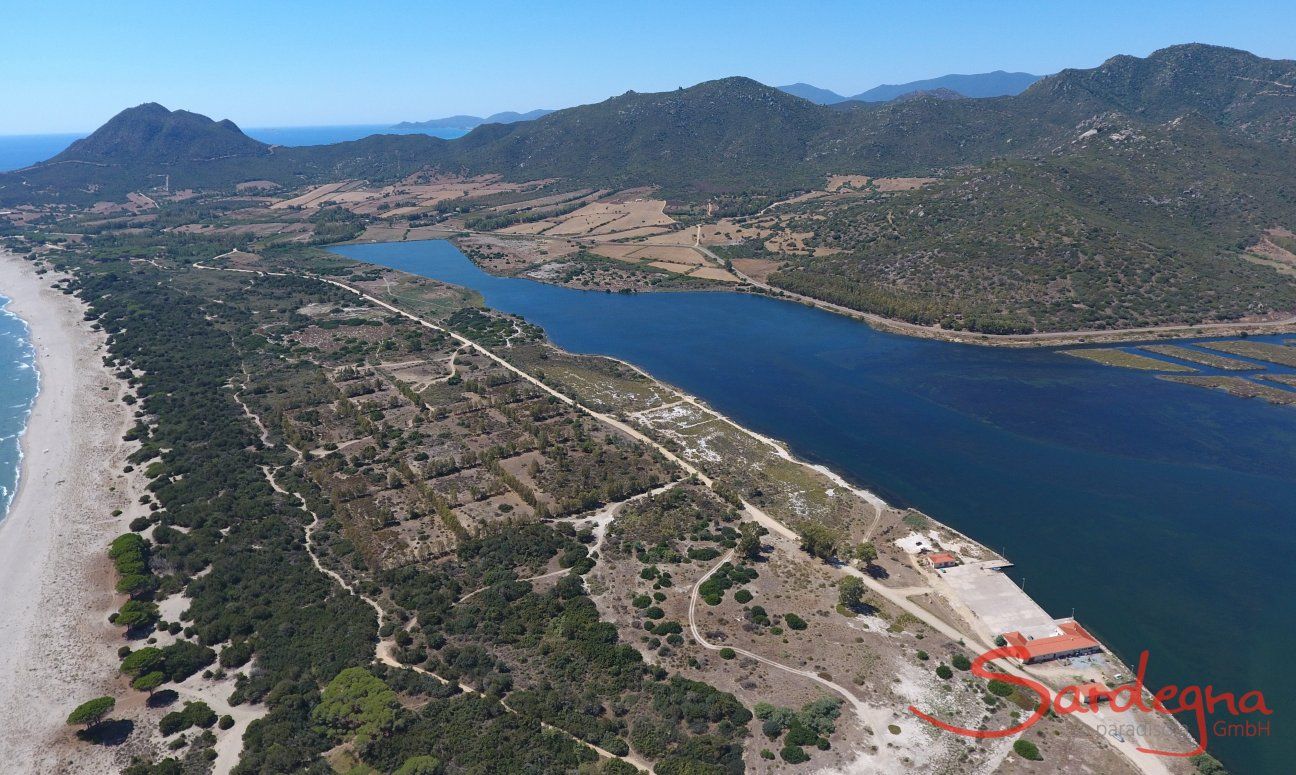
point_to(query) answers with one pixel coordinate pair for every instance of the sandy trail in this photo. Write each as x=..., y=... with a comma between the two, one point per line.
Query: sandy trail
x=885, y=760
x=58, y=649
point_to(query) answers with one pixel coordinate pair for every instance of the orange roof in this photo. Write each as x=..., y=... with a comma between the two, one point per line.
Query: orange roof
x=942, y=557
x=1073, y=638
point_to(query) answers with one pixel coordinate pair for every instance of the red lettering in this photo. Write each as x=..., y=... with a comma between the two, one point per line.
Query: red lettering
x=1191, y=699
x=1258, y=706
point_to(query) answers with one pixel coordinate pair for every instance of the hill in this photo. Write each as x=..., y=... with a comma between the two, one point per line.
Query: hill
x=1122, y=226
x=140, y=147
x=996, y=84
x=1232, y=88
x=731, y=133
x=812, y=93
x=151, y=133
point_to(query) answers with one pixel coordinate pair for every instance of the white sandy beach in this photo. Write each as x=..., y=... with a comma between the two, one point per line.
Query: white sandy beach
x=56, y=647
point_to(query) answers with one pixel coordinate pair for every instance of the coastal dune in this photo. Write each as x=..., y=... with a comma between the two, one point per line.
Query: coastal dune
x=57, y=648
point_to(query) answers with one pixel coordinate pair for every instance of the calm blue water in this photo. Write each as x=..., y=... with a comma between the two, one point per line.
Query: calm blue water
x=18, y=151
x=18, y=385
x=1161, y=513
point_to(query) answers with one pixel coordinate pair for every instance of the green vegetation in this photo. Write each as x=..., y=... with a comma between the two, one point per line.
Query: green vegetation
x=91, y=712
x=850, y=592
x=819, y=540
x=1208, y=765
x=357, y=705
x=812, y=725
x=1027, y=750
x=194, y=714
x=726, y=576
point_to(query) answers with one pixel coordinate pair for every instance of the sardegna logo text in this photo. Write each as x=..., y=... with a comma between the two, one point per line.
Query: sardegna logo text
x=1169, y=699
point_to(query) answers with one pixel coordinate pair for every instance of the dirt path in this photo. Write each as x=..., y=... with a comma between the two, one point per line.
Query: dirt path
x=874, y=719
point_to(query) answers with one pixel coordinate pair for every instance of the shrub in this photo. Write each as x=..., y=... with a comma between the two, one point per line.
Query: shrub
x=668, y=628
x=703, y=553
x=794, y=621
x=194, y=714
x=799, y=734
x=923, y=655
x=226, y=722
x=727, y=653
x=793, y=754
x=1208, y=765
x=421, y=765
x=1027, y=750
x=1000, y=688
x=743, y=596
x=943, y=670
x=615, y=746
x=236, y=654
x=961, y=662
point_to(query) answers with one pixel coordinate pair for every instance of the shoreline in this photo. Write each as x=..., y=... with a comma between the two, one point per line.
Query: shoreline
x=22, y=432
x=58, y=591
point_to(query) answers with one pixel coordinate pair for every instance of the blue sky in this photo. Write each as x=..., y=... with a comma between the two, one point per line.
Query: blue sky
x=69, y=66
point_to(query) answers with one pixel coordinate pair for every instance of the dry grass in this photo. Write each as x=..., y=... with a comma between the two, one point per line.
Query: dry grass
x=839, y=182
x=901, y=184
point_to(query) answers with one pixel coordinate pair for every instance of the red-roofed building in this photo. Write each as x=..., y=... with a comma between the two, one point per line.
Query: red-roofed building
x=943, y=560
x=1073, y=641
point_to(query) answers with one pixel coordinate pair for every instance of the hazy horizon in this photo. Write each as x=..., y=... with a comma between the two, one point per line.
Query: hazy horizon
x=338, y=64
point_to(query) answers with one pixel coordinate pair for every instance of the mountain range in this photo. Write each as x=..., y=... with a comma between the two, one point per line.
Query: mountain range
x=996, y=84
x=725, y=135
x=471, y=122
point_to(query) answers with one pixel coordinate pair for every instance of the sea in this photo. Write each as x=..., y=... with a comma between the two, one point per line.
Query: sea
x=18, y=151
x=1159, y=514
x=19, y=383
